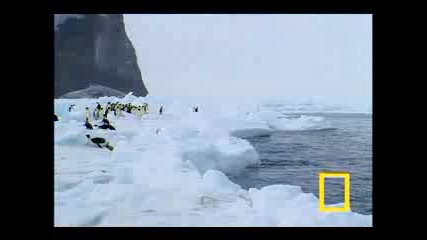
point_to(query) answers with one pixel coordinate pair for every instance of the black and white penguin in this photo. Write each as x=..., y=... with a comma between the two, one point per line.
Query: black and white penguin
x=107, y=110
x=120, y=110
x=196, y=109
x=105, y=120
x=88, y=125
x=96, y=111
x=145, y=107
x=107, y=126
x=100, y=142
x=139, y=113
x=101, y=112
x=87, y=113
x=161, y=110
x=96, y=114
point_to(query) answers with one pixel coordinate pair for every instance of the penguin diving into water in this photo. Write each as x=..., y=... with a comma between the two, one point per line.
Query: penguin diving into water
x=100, y=142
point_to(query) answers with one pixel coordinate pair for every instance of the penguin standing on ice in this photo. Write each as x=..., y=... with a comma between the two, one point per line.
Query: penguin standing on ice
x=118, y=111
x=105, y=120
x=121, y=109
x=161, y=110
x=101, y=112
x=129, y=108
x=87, y=113
x=100, y=142
x=139, y=113
x=88, y=125
x=107, y=110
x=96, y=112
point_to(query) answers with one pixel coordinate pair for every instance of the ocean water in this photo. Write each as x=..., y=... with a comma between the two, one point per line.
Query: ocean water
x=297, y=157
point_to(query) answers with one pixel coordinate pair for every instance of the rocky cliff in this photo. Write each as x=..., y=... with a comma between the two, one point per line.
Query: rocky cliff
x=94, y=50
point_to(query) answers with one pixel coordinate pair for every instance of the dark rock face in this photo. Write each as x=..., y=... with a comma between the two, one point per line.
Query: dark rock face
x=94, y=91
x=93, y=49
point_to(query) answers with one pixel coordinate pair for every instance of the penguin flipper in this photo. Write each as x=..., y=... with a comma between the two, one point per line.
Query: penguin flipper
x=111, y=148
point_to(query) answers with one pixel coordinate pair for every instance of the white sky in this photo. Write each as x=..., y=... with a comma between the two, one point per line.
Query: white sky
x=254, y=55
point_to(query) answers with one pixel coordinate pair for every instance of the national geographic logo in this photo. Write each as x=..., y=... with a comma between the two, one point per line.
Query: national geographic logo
x=346, y=176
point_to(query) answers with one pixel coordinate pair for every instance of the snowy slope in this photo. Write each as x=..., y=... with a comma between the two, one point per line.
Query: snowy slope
x=170, y=170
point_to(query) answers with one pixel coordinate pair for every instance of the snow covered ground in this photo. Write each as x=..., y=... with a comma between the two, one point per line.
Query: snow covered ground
x=170, y=170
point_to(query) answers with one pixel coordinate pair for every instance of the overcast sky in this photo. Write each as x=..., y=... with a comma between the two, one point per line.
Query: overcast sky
x=254, y=55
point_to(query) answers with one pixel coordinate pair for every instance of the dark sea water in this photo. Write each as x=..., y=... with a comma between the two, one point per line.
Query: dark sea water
x=297, y=157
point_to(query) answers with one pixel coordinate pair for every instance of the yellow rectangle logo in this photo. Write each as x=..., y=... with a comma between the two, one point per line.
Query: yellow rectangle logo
x=346, y=176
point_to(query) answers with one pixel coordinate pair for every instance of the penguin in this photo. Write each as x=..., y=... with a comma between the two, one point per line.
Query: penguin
x=107, y=126
x=55, y=118
x=88, y=125
x=120, y=113
x=87, y=113
x=105, y=120
x=139, y=113
x=96, y=114
x=101, y=112
x=107, y=110
x=161, y=110
x=100, y=142
x=71, y=107
x=117, y=110
x=129, y=108
x=196, y=109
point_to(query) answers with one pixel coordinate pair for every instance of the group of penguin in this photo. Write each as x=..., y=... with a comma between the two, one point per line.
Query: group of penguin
x=118, y=109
